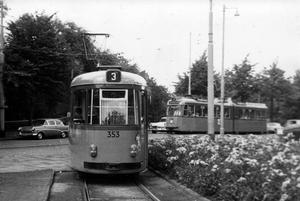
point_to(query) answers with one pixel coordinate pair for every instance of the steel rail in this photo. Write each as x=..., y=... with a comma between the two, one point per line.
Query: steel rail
x=151, y=195
x=86, y=192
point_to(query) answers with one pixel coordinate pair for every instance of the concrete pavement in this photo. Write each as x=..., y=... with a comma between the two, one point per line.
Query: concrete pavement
x=26, y=175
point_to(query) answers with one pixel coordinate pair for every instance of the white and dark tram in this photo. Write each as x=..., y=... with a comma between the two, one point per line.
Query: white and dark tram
x=108, y=122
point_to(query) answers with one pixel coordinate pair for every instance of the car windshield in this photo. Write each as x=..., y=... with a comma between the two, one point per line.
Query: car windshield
x=39, y=122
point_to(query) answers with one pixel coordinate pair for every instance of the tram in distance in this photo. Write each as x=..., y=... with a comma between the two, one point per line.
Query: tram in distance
x=108, y=122
x=188, y=115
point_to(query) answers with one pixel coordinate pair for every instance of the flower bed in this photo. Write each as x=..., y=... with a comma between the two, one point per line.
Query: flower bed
x=231, y=168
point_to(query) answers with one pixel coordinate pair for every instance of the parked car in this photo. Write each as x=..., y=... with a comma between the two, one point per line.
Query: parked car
x=43, y=128
x=274, y=127
x=158, y=126
x=292, y=126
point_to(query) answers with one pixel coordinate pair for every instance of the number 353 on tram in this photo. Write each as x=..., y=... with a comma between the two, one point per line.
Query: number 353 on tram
x=108, y=122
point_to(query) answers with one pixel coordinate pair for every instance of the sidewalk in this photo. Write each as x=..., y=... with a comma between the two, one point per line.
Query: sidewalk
x=25, y=176
x=26, y=186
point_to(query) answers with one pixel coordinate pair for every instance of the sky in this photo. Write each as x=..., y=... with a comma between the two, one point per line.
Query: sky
x=164, y=36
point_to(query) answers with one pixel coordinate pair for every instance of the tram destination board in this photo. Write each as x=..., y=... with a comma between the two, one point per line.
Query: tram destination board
x=113, y=76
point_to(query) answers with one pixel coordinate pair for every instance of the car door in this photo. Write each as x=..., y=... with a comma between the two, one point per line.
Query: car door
x=51, y=131
x=60, y=125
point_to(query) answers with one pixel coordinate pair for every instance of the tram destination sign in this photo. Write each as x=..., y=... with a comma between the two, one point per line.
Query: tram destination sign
x=113, y=76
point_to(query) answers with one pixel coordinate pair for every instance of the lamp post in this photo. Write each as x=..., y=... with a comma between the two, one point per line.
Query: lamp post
x=222, y=71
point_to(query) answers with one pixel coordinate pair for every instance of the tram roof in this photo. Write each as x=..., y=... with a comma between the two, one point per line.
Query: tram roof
x=99, y=77
x=228, y=102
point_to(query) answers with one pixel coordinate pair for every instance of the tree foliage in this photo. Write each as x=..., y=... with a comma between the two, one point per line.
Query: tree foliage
x=159, y=98
x=36, y=65
x=43, y=55
x=240, y=83
x=198, y=80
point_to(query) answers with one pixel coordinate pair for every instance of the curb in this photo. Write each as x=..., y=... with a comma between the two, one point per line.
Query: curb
x=192, y=194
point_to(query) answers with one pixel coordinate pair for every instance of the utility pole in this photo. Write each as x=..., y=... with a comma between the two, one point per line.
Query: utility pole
x=2, y=99
x=210, y=79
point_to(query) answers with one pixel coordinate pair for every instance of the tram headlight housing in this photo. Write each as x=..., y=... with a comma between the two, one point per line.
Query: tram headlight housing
x=93, y=150
x=133, y=150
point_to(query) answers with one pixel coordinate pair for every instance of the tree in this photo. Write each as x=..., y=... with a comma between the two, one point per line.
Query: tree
x=239, y=82
x=291, y=98
x=198, y=81
x=159, y=98
x=40, y=53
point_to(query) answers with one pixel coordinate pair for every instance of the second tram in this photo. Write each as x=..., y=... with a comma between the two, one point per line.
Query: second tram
x=188, y=115
x=108, y=122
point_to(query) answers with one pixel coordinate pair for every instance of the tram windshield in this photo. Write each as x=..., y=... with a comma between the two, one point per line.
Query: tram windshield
x=106, y=106
x=173, y=110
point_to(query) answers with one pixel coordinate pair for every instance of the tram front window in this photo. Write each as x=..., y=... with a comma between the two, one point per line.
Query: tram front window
x=173, y=110
x=113, y=105
x=106, y=107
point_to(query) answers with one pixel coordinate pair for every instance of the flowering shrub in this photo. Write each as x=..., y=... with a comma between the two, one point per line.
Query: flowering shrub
x=231, y=168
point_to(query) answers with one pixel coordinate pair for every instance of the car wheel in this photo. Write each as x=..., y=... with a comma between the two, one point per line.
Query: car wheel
x=153, y=131
x=40, y=136
x=63, y=134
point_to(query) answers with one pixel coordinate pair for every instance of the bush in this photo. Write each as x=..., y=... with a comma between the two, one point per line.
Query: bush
x=231, y=168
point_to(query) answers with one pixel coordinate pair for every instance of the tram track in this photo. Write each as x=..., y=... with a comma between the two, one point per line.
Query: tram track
x=119, y=188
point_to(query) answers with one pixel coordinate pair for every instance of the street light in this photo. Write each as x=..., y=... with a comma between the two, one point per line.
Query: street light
x=222, y=73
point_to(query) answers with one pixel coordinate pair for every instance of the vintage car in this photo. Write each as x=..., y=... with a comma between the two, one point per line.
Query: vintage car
x=274, y=127
x=42, y=128
x=158, y=126
x=292, y=126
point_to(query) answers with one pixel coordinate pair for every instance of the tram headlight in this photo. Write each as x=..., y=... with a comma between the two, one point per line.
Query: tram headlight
x=171, y=121
x=133, y=150
x=93, y=149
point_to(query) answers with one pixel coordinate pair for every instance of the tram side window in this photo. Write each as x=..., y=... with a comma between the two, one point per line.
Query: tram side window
x=79, y=107
x=132, y=107
x=93, y=106
x=198, y=111
x=191, y=110
x=226, y=113
x=217, y=112
x=185, y=110
x=204, y=110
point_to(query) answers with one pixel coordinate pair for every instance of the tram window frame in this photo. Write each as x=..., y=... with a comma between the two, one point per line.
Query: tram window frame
x=191, y=111
x=79, y=106
x=115, y=110
x=204, y=110
x=198, y=111
x=97, y=99
x=173, y=110
x=185, y=110
x=217, y=111
x=227, y=113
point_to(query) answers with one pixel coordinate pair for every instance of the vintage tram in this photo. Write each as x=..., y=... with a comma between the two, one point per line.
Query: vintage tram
x=108, y=122
x=189, y=115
